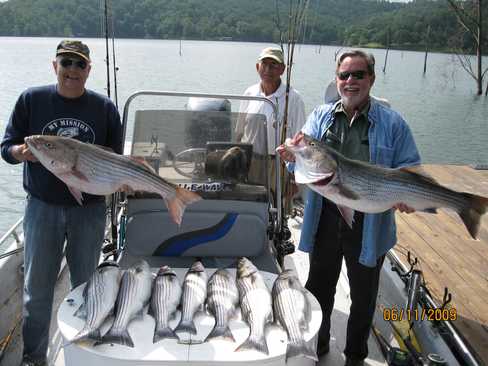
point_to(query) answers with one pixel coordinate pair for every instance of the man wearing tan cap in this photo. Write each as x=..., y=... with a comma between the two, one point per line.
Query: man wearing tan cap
x=270, y=67
x=52, y=214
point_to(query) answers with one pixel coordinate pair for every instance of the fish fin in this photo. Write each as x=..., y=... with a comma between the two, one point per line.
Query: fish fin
x=76, y=194
x=140, y=314
x=81, y=311
x=78, y=174
x=220, y=333
x=163, y=333
x=420, y=173
x=122, y=338
x=140, y=160
x=296, y=349
x=127, y=189
x=347, y=213
x=95, y=335
x=186, y=326
x=254, y=344
x=471, y=215
x=80, y=336
x=176, y=205
x=346, y=192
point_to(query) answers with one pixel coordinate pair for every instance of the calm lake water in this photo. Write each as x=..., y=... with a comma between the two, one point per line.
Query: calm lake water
x=448, y=120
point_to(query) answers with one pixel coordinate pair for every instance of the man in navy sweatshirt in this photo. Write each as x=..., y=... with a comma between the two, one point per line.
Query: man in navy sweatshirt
x=52, y=215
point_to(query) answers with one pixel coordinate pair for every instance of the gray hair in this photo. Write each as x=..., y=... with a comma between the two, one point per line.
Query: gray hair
x=368, y=57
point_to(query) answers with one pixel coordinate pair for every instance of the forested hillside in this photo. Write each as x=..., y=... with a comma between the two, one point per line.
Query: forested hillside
x=344, y=22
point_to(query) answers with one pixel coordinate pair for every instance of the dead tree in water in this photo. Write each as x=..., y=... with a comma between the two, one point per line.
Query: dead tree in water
x=472, y=21
x=387, y=49
x=427, y=38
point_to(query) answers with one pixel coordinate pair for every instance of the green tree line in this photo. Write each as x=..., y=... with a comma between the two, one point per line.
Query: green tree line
x=339, y=22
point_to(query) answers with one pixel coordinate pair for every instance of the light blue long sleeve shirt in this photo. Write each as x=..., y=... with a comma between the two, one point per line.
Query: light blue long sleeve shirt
x=391, y=145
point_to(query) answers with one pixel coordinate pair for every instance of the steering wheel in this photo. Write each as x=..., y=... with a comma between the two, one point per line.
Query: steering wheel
x=190, y=162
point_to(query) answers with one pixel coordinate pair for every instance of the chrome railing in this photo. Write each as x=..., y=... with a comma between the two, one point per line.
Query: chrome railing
x=12, y=233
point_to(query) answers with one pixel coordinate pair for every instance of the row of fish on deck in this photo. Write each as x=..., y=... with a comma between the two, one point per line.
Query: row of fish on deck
x=125, y=294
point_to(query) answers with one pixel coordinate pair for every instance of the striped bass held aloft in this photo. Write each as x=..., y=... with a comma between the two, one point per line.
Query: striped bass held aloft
x=222, y=302
x=134, y=294
x=91, y=169
x=99, y=297
x=355, y=185
x=193, y=297
x=165, y=299
x=256, y=308
x=292, y=310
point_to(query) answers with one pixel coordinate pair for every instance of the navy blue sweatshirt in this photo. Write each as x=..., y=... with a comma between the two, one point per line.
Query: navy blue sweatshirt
x=91, y=118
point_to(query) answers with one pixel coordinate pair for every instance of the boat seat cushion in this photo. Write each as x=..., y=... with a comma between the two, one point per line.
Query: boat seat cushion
x=209, y=228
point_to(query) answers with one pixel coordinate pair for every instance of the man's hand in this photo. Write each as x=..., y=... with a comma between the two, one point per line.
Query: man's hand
x=22, y=153
x=402, y=207
x=285, y=154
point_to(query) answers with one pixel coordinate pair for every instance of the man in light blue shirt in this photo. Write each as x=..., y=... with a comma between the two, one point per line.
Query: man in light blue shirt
x=360, y=128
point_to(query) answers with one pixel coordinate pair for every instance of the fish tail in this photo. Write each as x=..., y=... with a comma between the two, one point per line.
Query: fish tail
x=301, y=348
x=163, y=333
x=253, y=343
x=177, y=204
x=85, y=334
x=187, y=326
x=118, y=337
x=222, y=333
x=471, y=215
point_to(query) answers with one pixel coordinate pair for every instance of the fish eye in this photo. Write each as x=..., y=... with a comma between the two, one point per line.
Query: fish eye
x=311, y=143
x=48, y=145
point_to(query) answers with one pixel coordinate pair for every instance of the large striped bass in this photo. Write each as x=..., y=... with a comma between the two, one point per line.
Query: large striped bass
x=222, y=302
x=355, y=185
x=91, y=169
x=193, y=297
x=292, y=310
x=99, y=297
x=165, y=299
x=134, y=294
x=256, y=307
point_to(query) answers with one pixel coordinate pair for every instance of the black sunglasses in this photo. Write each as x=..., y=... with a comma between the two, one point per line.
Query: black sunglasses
x=357, y=75
x=67, y=62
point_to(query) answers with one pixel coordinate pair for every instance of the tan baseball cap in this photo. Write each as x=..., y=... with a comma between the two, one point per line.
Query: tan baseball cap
x=73, y=47
x=274, y=53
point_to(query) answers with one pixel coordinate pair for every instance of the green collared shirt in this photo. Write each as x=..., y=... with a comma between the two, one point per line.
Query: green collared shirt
x=351, y=140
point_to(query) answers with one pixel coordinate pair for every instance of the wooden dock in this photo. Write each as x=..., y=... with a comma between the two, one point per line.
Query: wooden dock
x=449, y=257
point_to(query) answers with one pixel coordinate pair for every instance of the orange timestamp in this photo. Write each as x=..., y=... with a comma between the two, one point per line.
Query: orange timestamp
x=399, y=314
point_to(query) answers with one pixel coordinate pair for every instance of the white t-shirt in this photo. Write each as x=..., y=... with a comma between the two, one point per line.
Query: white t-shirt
x=249, y=125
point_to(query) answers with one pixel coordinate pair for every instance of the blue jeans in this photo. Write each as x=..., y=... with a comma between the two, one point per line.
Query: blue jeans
x=46, y=227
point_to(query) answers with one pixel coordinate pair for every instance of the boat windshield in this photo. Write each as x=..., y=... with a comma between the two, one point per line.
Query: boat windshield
x=206, y=145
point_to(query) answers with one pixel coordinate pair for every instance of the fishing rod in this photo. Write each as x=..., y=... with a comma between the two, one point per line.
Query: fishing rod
x=111, y=245
x=107, y=61
x=115, y=67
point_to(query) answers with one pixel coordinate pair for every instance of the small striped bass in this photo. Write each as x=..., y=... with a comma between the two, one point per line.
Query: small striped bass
x=293, y=311
x=193, y=297
x=222, y=302
x=134, y=294
x=355, y=185
x=87, y=168
x=256, y=308
x=166, y=296
x=99, y=297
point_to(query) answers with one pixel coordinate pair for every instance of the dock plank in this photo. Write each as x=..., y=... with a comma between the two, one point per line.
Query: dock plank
x=449, y=257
